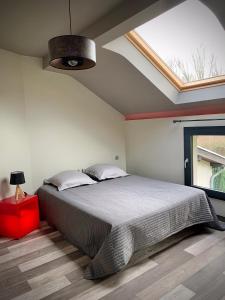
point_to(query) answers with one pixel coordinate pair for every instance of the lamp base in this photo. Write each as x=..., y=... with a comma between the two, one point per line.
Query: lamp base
x=19, y=193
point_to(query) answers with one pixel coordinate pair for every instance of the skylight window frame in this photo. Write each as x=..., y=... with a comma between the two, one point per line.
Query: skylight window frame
x=139, y=43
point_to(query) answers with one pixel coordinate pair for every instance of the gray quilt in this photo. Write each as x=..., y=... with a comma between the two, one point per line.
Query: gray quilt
x=112, y=220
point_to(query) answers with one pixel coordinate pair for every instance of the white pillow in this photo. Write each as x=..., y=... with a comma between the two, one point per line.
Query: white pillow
x=68, y=179
x=104, y=171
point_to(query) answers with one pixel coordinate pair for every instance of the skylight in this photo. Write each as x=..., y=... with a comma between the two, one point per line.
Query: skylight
x=187, y=44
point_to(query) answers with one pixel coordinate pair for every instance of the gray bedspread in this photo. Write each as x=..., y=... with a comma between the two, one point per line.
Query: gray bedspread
x=112, y=220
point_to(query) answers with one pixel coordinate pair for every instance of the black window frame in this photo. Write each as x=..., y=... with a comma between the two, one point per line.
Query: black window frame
x=189, y=132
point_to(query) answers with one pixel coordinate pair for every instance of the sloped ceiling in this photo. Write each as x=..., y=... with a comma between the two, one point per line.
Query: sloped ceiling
x=218, y=7
x=121, y=85
x=27, y=25
x=116, y=81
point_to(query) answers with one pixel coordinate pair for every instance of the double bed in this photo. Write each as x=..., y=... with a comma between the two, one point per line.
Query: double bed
x=114, y=219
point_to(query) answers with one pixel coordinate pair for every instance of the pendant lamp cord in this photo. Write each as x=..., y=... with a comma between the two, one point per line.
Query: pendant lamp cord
x=70, y=18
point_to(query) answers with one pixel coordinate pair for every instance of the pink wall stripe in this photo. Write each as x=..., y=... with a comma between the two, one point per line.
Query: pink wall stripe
x=197, y=111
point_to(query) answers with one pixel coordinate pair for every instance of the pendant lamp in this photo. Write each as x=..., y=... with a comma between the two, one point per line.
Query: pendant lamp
x=72, y=52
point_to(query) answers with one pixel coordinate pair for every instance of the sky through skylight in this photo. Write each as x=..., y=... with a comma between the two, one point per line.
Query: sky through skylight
x=189, y=39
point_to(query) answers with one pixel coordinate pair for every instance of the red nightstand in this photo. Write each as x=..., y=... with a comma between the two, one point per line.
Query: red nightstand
x=19, y=218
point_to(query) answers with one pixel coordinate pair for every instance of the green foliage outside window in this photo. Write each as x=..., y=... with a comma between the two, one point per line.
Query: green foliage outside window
x=218, y=178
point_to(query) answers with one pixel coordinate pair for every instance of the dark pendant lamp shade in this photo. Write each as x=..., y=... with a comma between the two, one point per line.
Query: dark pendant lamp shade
x=17, y=178
x=72, y=52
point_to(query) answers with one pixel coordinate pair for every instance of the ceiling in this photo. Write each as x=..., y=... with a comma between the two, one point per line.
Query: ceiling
x=218, y=7
x=27, y=25
x=121, y=85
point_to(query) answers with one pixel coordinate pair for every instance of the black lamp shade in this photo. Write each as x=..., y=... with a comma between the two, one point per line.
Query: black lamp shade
x=17, y=177
x=72, y=52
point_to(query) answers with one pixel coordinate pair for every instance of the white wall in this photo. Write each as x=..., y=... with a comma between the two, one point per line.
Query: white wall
x=69, y=126
x=14, y=145
x=50, y=122
x=155, y=148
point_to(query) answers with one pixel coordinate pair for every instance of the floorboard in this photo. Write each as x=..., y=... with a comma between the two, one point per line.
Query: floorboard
x=43, y=265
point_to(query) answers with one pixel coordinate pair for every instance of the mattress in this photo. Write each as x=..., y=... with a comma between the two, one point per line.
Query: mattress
x=113, y=220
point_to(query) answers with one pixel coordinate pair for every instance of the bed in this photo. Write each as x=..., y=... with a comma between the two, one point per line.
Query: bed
x=113, y=220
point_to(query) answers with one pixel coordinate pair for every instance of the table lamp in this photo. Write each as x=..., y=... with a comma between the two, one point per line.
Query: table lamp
x=17, y=178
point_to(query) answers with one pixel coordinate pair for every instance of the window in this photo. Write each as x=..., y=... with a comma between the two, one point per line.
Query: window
x=204, y=159
x=186, y=44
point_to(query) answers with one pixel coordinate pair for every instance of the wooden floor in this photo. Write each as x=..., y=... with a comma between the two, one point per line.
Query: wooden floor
x=43, y=265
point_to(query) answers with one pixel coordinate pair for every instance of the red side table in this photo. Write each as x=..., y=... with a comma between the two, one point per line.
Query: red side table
x=19, y=218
